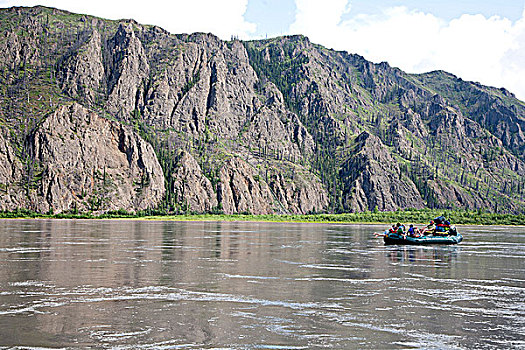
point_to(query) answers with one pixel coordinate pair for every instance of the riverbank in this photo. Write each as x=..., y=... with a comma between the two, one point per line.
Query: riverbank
x=404, y=216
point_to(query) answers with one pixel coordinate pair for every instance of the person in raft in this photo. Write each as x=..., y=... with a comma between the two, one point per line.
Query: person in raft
x=412, y=231
x=391, y=230
x=429, y=229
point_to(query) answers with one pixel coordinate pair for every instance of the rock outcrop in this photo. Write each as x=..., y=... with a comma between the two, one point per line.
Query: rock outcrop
x=88, y=163
x=191, y=188
x=127, y=69
x=82, y=73
x=241, y=190
x=373, y=179
x=301, y=194
x=11, y=193
x=451, y=195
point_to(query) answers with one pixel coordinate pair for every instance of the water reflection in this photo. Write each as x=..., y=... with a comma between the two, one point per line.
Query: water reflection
x=432, y=255
x=129, y=284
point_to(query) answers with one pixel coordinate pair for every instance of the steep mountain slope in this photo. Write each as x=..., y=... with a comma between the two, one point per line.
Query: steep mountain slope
x=461, y=147
x=278, y=125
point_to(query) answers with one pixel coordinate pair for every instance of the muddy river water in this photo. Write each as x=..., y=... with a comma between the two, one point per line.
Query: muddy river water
x=211, y=285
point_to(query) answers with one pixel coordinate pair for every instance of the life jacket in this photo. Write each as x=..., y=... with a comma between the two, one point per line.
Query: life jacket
x=442, y=227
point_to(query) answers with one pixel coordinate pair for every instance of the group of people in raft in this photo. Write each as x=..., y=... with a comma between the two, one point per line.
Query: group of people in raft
x=437, y=227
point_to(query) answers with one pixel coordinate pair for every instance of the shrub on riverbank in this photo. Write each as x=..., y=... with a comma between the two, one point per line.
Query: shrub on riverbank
x=406, y=216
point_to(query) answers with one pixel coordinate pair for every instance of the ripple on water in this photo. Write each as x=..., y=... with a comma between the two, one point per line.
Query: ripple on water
x=96, y=295
x=187, y=286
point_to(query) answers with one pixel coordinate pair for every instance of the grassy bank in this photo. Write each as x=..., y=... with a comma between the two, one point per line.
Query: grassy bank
x=404, y=216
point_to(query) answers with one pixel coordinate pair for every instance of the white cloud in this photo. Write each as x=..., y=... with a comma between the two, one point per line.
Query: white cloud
x=488, y=50
x=323, y=15
x=223, y=18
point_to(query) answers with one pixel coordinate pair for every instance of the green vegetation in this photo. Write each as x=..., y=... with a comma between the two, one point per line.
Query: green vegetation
x=384, y=102
x=406, y=216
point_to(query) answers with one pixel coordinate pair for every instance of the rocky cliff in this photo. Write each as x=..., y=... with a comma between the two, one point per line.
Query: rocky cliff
x=271, y=126
x=373, y=179
x=11, y=195
x=80, y=161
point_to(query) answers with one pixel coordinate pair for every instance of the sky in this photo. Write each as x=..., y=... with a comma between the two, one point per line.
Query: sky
x=477, y=40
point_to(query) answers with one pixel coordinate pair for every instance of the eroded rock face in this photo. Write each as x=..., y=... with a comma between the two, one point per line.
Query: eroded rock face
x=127, y=68
x=11, y=194
x=211, y=86
x=90, y=163
x=82, y=74
x=302, y=194
x=373, y=179
x=191, y=186
x=242, y=191
x=450, y=195
x=17, y=50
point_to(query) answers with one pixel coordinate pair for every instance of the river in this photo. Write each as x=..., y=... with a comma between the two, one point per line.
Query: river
x=214, y=285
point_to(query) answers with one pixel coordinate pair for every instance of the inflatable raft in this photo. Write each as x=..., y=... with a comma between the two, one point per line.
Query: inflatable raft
x=395, y=238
